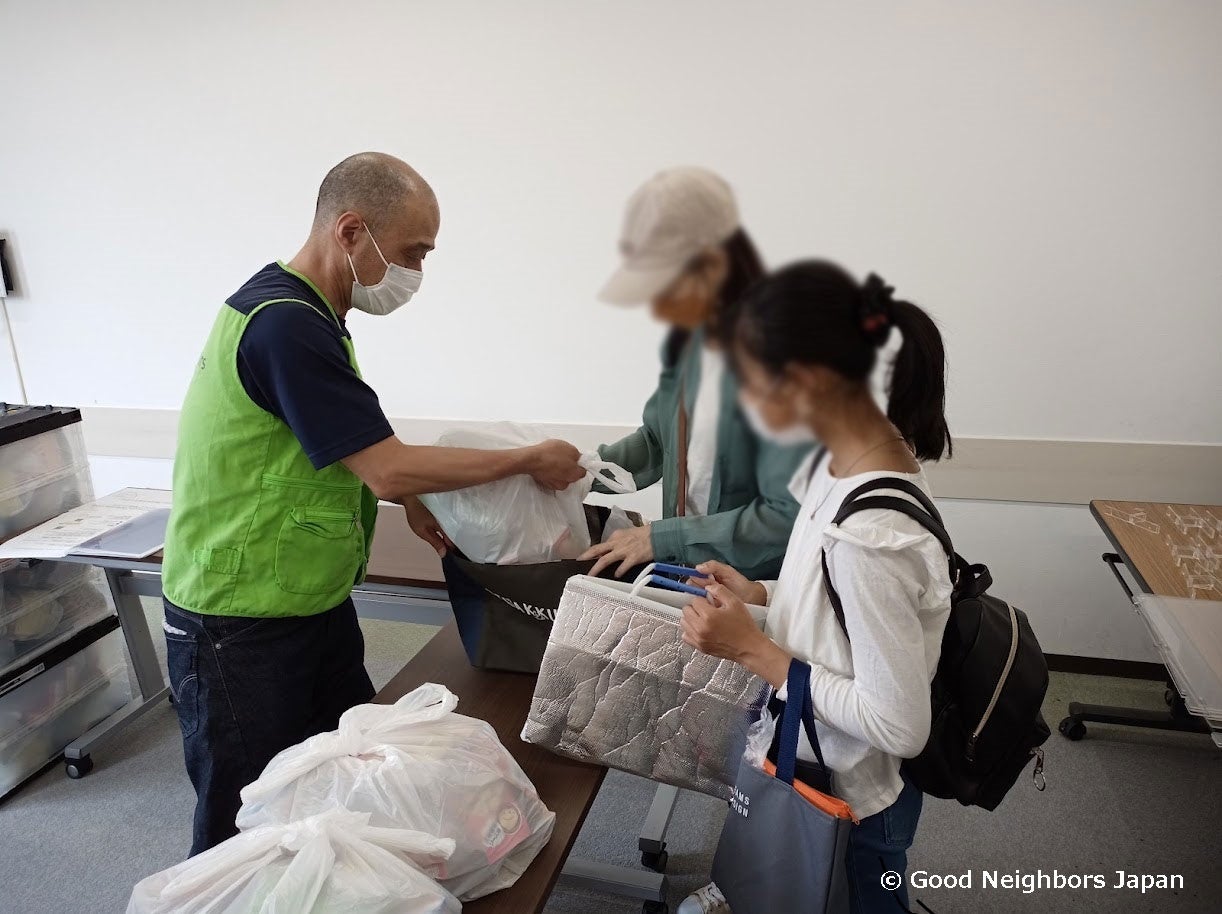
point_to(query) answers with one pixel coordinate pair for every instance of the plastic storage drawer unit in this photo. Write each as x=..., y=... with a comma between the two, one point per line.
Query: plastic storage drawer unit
x=49, y=702
x=44, y=470
x=43, y=603
x=1186, y=634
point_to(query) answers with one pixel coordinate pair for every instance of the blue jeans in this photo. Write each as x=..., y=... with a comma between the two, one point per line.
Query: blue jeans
x=245, y=688
x=878, y=845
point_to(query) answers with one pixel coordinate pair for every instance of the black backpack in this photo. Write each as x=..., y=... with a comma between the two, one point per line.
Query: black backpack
x=991, y=677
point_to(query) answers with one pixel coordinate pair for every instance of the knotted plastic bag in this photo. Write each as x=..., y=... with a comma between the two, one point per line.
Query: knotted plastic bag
x=418, y=765
x=333, y=863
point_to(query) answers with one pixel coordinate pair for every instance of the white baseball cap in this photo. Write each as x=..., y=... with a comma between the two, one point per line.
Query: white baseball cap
x=670, y=219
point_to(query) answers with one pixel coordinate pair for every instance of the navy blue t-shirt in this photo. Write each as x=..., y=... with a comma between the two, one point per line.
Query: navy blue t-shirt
x=293, y=363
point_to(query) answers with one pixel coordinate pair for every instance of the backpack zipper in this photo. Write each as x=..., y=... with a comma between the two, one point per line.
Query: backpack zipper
x=1005, y=672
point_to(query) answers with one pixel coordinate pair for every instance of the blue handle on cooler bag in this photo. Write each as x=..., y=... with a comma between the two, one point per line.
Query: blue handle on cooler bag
x=678, y=569
x=677, y=585
x=799, y=711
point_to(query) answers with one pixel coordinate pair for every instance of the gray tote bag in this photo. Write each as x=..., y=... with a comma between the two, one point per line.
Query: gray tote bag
x=783, y=845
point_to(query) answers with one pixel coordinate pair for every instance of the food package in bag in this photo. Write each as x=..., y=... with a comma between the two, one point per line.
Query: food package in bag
x=515, y=521
x=417, y=765
x=332, y=863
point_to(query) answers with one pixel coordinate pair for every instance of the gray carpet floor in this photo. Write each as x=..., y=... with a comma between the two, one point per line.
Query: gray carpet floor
x=1138, y=801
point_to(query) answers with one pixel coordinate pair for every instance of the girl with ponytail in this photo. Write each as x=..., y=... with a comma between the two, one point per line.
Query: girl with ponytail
x=804, y=344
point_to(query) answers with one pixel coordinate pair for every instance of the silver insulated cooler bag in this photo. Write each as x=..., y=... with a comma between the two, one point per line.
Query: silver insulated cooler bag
x=618, y=686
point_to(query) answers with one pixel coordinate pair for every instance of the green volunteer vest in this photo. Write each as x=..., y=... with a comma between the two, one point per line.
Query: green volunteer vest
x=255, y=530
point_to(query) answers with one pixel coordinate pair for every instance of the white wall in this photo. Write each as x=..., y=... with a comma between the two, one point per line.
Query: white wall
x=1042, y=175
x=10, y=378
x=1045, y=559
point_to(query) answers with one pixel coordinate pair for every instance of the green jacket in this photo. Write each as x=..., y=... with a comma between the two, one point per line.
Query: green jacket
x=751, y=511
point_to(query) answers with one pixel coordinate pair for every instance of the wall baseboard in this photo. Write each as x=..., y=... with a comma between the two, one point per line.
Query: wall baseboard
x=1106, y=666
x=1078, y=472
x=984, y=469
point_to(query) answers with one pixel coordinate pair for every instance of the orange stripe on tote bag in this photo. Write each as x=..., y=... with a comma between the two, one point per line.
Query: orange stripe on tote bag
x=833, y=806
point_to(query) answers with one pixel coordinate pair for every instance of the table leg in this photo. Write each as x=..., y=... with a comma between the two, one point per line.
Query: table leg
x=136, y=631
x=652, y=842
x=1178, y=718
x=621, y=881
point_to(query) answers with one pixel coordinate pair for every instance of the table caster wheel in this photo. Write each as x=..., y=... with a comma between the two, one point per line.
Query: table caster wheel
x=79, y=767
x=655, y=907
x=655, y=861
x=1072, y=729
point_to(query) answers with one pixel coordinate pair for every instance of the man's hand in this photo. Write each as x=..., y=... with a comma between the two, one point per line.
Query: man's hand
x=553, y=464
x=425, y=526
x=628, y=547
x=742, y=587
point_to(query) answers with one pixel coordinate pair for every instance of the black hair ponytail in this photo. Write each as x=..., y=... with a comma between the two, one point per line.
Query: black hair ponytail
x=813, y=312
x=916, y=394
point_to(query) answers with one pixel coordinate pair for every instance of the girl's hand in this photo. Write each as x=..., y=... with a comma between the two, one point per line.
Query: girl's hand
x=740, y=586
x=721, y=627
x=628, y=547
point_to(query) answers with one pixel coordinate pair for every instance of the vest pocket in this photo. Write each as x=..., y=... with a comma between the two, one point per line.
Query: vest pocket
x=318, y=550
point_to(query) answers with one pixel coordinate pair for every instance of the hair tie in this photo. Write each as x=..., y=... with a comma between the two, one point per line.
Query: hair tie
x=877, y=309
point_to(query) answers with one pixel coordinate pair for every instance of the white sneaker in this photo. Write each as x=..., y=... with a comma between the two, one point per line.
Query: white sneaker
x=707, y=900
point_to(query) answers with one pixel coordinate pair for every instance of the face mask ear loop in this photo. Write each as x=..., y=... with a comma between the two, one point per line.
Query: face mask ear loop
x=352, y=268
x=375, y=245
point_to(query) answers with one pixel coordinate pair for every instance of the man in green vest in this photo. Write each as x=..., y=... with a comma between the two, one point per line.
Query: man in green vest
x=283, y=453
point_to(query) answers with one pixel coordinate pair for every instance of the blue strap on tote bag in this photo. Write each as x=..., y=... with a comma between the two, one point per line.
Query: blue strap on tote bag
x=783, y=845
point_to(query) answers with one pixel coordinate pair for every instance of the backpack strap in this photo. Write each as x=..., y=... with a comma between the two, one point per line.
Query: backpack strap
x=899, y=485
x=930, y=519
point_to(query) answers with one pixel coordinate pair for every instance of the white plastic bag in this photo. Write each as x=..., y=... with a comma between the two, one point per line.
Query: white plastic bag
x=617, y=519
x=334, y=863
x=418, y=765
x=515, y=521
x=759, y=739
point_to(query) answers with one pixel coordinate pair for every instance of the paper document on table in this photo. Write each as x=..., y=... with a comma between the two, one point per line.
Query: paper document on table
x=123, y=524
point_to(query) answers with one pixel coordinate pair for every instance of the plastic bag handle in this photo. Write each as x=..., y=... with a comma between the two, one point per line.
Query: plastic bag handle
x=620, y=481
x=409, y=841
x=303, y=879
x=428, y=702
x=237, y=859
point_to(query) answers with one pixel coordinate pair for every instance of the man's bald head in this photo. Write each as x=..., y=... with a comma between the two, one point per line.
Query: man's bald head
x=373, y=211
x=377, y=186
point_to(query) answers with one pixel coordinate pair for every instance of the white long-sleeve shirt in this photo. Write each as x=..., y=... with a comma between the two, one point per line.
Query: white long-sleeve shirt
x=871, y=698
x=702, y=439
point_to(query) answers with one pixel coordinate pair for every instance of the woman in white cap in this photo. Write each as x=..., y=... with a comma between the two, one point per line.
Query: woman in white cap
x=725, y=492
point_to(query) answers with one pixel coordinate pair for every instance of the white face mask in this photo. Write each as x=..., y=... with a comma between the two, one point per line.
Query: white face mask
x=396, y=289
x=798, y=433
